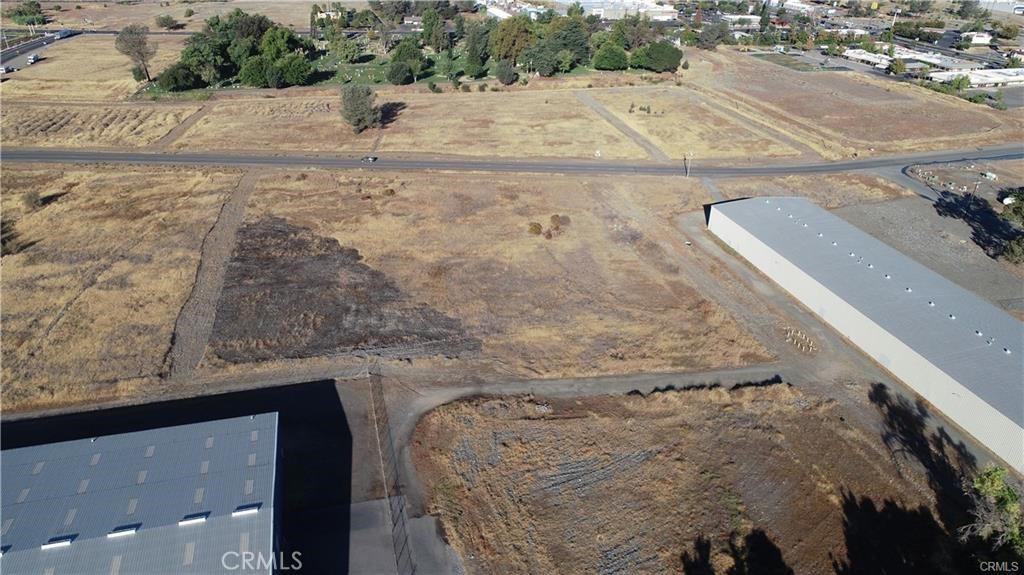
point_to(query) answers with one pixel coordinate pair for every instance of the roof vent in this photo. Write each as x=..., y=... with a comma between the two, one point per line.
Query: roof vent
x=1007, y=351
x=931, y=303
x=57, y=542
x=852, y=254
x=193, y=519
x=951, y=316
x=888, y=277
x=871, y=266
x=243, y=510
x=978, y=333
x=124, y=531
x=820, y=235
x=835, y=243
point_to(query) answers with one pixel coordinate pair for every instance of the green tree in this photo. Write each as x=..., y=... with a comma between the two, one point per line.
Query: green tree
x=364, y=19
x=662, y=57
x=166, y=22
x=1007, y=30
x=575, y=10
x=202, y=55
x=712, y=35
x=295, y=69
x=189, y=12
x=177, y=77
x=998, y=517
x=357, y=107
x=897, y=67
x=446, y=64
x=512, y=36
x=541, y=58
x=971, y=9
x=565, y=61
x=460, y=27
x=1015, y=211
x=277, y=42
x=407, y=51
x=240, y=49
x=476, y=51
x=27, y=14
x=433, y=33
x=347, y=50
x=133, y=41
x=569, y=34
x=399, y=73
x=253, y=71
x=505, y=72
x=611, y=56
x=632, y=32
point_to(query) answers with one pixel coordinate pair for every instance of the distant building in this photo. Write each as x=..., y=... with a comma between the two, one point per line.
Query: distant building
x=957, y=351
x=977, y=38
x=185, y=499
x=984, y=78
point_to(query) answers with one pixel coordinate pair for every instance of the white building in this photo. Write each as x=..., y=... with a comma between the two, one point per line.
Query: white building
x=984, y=78
x=977, y=38
x=960, y=353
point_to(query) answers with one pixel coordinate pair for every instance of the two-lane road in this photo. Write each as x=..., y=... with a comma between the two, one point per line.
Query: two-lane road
x=55, y=155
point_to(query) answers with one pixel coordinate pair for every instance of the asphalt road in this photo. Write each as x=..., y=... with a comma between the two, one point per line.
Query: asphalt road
x=53, y=155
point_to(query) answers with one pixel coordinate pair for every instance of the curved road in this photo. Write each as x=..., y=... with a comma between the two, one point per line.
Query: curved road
x=56, y=155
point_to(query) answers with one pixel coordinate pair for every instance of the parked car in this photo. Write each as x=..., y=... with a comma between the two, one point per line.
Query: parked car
x=32, y=59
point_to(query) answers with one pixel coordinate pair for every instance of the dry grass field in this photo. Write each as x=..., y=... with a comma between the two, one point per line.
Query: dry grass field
x=517, y=124
x=106, y=263
x=829, y=191
x=681, y=123
x=89, y=125
x=279, y=122
x=841, y=114
x=754, y=480
x=85, y=69
x=601, y=295
x=114, y=15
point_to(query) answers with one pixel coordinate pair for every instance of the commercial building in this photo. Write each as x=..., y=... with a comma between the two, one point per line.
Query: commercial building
x=194, y=498
x=957, y=351
x=984, y=78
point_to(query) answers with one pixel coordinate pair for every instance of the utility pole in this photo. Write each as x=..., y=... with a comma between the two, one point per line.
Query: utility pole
x=686, y=164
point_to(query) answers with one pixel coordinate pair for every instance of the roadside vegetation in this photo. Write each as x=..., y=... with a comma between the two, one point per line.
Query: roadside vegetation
x=27, y=14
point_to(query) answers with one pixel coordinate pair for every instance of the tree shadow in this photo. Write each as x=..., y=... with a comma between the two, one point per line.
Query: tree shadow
x=365, y=59
x=945, y=462
x=752, y=554
x=894, y=539
x=989, y=230
x=389, y=112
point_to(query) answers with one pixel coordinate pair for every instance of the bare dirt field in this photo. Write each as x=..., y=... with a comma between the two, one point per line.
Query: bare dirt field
x=89, y=125
x=461, y=246
x=114, y=15
x=85, y=68
x=681, y=123
x=842, y=114
x=106, y=261
x=752, y=480
x=829, y=191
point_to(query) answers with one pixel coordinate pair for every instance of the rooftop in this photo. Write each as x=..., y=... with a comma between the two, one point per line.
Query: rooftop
x=174, y=499
x=966, y=337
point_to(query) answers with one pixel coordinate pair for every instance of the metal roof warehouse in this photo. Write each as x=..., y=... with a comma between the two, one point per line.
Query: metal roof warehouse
x=169, y=500
x=957, y=351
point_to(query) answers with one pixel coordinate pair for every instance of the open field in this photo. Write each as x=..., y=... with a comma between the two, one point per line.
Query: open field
x=113, y=15
x=88, y=125
x=520, y=124
x=284, y=122
x=86, y=69
x=106, y=263
x=456, y=248
x=681, y=123
x=846, y=114
x=831, y=191
x=754, y=480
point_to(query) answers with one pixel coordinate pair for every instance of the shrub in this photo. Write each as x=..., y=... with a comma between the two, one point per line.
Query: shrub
x=535, y=228
x=254, y=72
x=31, y=200
x=166, y=21
x=189, y=12
x=505, y=73
x=481, y=88
x=686, y=64
x=138, y=73
x=997, y=509
x=295, y=69
x=611, y=56
x=465, y=87
x=1013, y=251
x=399, y=73
x=657, y=57
x=177, y=77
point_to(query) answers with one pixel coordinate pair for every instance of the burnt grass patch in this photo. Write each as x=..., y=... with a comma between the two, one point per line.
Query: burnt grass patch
x=289, y=293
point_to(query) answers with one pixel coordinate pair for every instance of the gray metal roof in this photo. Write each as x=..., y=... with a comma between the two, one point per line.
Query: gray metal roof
x=149, y=481
x=966, y=337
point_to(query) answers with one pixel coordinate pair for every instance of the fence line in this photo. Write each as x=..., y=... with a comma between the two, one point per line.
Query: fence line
x=391, y=475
